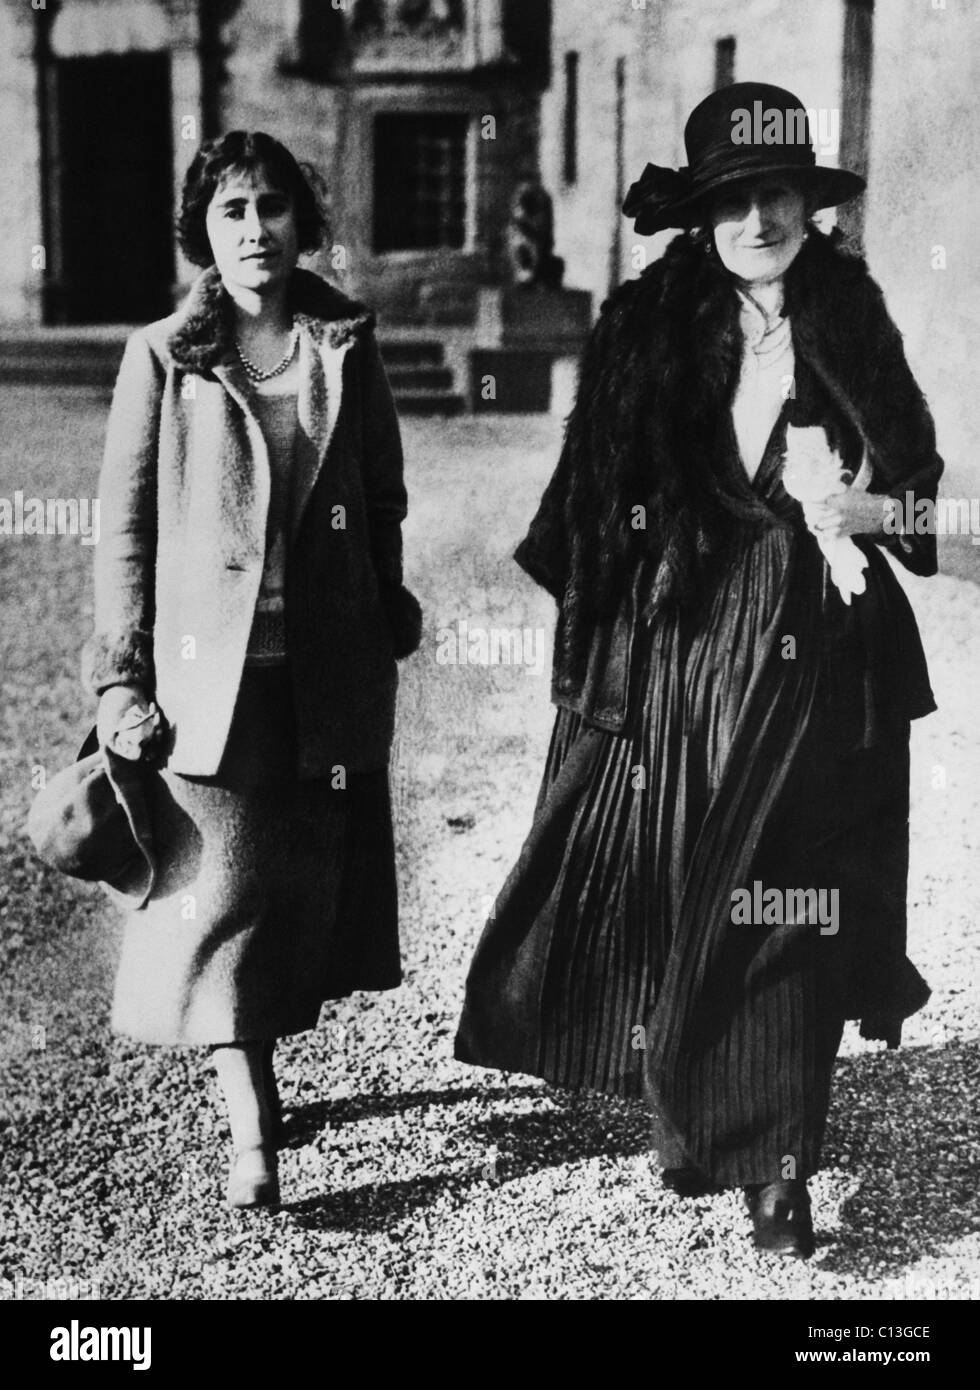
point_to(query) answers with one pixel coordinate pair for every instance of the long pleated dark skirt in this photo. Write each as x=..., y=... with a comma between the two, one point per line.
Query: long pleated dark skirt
x=612, y=962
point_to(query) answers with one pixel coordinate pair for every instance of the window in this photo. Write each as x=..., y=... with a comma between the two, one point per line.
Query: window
x=724, y=62
x=571, y=118
x=419, y=181
x=527, y=37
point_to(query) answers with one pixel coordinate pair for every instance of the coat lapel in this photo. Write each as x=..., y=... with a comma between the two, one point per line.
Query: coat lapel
x=810, y=352
x=330, y=324
x=251, y=483
x=318, y=410
x=318, y=403
x=233, y=380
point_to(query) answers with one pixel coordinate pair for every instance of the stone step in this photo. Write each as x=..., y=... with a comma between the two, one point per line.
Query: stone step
x=449, y=304
x=55, y=356
x=420, y=380
x=40, y=348
x=429, y=403
x=412, y=352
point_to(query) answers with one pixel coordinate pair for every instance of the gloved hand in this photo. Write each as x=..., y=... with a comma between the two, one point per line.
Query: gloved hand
x=128, y=722
x=847, y=563
x=814, y=474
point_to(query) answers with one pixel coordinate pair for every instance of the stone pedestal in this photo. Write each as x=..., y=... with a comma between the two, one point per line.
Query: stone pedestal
x=531, y=316
x=527, y=348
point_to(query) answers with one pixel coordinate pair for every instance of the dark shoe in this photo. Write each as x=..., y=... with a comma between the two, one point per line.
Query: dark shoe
x=781, y=1220
x=688, y=1182
x=253, y=1180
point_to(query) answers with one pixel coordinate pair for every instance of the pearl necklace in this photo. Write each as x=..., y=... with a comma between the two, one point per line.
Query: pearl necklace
x=256, y=374
x=764, y=342
x=773, y=344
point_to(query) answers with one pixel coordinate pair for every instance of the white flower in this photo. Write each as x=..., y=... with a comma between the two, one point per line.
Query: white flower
x=812, y=472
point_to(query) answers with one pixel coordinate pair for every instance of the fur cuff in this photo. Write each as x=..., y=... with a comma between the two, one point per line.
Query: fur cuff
x=122, y=659
x=886, y=1028
x=387, y=562
x=404, y=614
x=529, y=558
x=900, y=993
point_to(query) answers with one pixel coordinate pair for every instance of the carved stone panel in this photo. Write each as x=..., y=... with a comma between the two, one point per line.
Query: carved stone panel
x=410, y=35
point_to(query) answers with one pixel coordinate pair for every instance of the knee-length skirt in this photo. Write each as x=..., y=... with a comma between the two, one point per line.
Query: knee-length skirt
x=273, y=893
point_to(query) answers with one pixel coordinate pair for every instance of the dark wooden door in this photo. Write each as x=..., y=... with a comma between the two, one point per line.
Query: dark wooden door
x=112, y=194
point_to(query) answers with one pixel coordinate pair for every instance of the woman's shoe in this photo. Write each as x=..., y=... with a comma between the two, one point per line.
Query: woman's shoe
x=253, y=1180
x=781, y=1219
x=688, y=1182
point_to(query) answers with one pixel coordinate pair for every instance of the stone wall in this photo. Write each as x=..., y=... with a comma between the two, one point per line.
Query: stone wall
x=246, y=70
x=329, y=124
x=923, y=209
x=920, y=206
x=925, y=130
x=669, y=55
x=20, y=206
x=307, y=116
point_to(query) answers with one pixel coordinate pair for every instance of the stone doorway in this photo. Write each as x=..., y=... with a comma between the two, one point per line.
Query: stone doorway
x=110, y=189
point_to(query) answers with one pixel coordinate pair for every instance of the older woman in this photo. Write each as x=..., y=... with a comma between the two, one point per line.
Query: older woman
x=248, y=613
x=716, y=874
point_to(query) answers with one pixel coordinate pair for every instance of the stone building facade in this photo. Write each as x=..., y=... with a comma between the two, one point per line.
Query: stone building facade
x=425, y=116
x=903, y=76
x=422, y=115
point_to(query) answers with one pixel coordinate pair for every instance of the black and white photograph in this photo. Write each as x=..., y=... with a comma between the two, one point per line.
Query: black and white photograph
x=489, y=638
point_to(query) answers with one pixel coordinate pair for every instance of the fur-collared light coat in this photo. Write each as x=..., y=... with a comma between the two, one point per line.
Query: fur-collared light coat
x=656, y=381
x=185, y=489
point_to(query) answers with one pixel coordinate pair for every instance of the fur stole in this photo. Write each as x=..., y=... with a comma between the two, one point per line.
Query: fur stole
x=656, y=384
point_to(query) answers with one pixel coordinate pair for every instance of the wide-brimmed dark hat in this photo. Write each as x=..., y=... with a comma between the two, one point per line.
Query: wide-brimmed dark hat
x=729, y=137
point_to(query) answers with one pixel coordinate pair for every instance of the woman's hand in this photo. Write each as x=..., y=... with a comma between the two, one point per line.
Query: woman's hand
x=848, y=513
x=127, y=720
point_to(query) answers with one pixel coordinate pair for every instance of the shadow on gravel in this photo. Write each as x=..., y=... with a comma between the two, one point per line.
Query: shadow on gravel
x=906, y=1125
x=570, y=1130
x=309, y=1120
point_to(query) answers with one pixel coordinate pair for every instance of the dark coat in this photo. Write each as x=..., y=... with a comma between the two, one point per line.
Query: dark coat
x=185, y=493
x=657, y=377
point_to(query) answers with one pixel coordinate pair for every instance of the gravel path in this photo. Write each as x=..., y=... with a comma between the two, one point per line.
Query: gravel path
x=408, y=1175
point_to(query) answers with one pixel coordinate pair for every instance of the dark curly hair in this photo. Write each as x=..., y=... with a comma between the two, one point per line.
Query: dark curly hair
x=247, y=152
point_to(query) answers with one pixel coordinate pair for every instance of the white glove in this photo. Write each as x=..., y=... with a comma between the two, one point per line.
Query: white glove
x=812, y=472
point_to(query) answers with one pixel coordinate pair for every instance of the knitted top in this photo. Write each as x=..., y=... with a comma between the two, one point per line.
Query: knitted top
x=267, y=640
